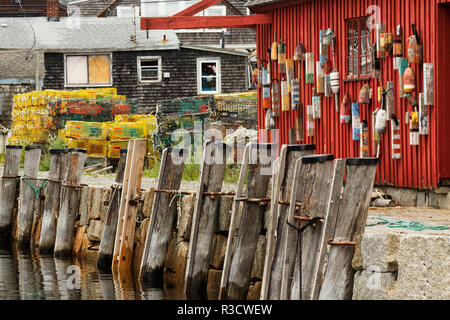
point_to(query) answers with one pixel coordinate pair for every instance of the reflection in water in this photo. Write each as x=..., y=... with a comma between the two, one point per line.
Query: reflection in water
x=27, y=275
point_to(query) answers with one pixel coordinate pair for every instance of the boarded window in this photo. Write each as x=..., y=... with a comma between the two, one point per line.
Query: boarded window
x=358, y=48
x=149, y=69
x=88, y=70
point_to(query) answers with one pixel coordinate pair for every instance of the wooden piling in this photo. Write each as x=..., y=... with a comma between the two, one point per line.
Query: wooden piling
x=58, y=165
x=313, y=175
x=106, y=250
x=70, y=192
x=28, y=184
x=240, y=267
x=162, y=217
x=351, y=218
x=281, y=191
x=9, y=190
x=204, y=219
x=129, y=200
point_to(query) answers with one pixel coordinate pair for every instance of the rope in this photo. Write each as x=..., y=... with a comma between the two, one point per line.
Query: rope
x=36, y=190
x=413, y=225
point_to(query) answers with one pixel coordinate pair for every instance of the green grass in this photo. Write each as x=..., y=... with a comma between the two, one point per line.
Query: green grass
x=191, y=172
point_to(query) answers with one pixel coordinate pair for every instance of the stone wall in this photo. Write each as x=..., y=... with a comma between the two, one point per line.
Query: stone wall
x=402, y=266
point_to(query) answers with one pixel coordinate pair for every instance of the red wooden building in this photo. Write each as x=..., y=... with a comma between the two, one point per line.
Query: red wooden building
x=423, y=166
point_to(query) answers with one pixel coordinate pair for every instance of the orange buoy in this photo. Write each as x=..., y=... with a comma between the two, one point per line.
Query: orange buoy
x=409, y=80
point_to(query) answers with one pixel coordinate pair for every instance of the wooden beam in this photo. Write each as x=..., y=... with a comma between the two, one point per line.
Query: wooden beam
x=212, y=22
x=108, y=8
x=196, y=8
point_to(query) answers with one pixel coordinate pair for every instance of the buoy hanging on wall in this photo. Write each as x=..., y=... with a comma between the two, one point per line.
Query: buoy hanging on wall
x=269, y=122
x=319, y=78
x=309, y=121
x=423, y=115
x=316, y=107
x=289, y=72
x=284, y=96
x=390, y=99
x=414, y=128
x=295, y=94
x=335, y=87
x=428, y=83
x=309, y=67
x=364, y=141
x=401, y=72
x=414, y=47
x=275, y=98
x=282, y=57
x=346, y=109
x=409, y=80
x=364, y=95
x=396, y=145
x=356, y=124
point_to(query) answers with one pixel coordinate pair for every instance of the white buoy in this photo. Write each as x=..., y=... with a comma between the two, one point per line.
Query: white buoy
x=335, y=87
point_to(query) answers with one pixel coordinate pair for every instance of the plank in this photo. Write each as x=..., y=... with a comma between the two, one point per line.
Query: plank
x=351, y=218
x=9, y=190
x=27, y=195
x=69, y=203
x=58, y=164
x=282, y=183
x=204, y=219
x=312, y=189
x=105, y=254
x=161, y=219
x=233, y=222
x=250, y=224
x=182, y=22
x=123, y=255
x=329, y=223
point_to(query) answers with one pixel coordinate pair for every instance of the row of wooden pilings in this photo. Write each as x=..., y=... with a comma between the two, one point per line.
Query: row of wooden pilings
x=318, y=207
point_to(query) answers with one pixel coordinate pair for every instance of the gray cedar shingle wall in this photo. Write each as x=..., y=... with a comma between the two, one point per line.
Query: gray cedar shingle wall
x=180, y=64
x=233, y=36
x=91, y=9
x=8, y=91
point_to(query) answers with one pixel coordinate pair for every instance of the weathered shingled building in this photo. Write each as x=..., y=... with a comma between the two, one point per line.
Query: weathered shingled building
x=95, y=52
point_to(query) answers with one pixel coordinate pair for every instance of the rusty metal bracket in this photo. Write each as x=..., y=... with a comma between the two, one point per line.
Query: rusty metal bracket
x=81, y=186
x=331, y=242
x=306, y=219
x=260, y=201
x=137, y=199
x=213, y=195
x=288, y=203
x=170, y=193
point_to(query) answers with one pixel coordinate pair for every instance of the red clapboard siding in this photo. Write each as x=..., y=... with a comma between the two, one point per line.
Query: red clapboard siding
x=420, y=166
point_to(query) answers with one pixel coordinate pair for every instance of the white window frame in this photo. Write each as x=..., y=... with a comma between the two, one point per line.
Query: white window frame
x=77, y=85
x=158, y=58
x=120, y=9
x=218, y=75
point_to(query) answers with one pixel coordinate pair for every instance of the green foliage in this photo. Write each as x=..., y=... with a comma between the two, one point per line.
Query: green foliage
x=58, y=143
x=151, y=172
x=191, y=172
x=2, y=158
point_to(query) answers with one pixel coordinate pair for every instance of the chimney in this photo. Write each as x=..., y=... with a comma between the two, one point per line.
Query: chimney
x=52, y=10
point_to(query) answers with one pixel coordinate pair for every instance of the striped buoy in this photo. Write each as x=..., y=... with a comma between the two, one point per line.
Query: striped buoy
x=295, y=93
x=396, y=139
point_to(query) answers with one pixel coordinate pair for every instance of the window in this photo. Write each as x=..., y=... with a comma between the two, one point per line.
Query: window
x=359, y=62
x=127, y=11
x=149, y=69
x=88, y=70
x=208, y=75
